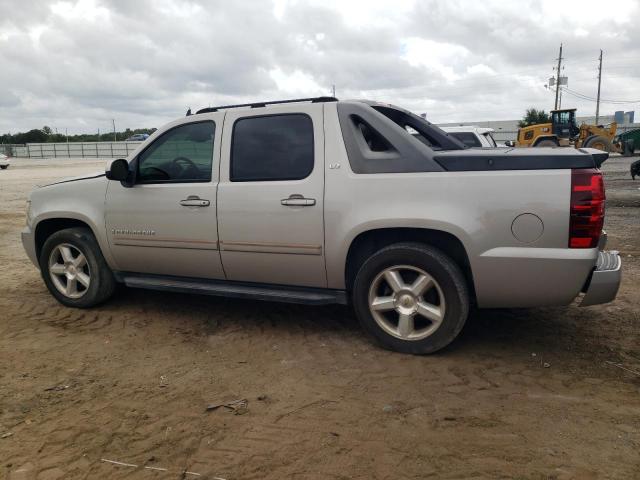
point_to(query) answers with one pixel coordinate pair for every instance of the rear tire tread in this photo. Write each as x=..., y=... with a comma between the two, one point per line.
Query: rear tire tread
x=437, y=264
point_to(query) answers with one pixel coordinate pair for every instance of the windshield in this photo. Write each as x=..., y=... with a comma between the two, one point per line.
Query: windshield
x=562, y=117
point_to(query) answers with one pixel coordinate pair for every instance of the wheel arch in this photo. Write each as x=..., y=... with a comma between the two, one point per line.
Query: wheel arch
x=541, y=138
x=586, y=140
x=370, y=241
x=48, y=226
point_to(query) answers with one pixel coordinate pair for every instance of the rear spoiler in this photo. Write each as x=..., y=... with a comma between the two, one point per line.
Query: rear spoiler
x=488, y=159
x=599, y=157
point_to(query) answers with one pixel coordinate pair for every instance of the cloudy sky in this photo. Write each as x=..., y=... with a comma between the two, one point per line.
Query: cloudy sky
x=78, y=64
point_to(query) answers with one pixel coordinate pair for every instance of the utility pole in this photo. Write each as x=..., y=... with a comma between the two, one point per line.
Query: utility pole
x=560, y=100
x=599, y=82
x=558, y=77
x=114, y=129
x=333, y=91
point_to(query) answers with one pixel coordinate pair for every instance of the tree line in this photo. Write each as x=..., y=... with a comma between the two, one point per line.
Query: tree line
x=47, y=135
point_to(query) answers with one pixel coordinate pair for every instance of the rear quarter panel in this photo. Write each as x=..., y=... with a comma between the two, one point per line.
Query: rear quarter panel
x=476, y=207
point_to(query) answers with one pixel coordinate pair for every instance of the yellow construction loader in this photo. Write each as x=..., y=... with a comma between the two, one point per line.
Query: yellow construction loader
x=563, y=132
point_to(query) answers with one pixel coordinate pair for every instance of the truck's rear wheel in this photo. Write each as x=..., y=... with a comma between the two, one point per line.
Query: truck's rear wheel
x=74, y=269
x=546, y=143
x=598, y=142
x=411, y=298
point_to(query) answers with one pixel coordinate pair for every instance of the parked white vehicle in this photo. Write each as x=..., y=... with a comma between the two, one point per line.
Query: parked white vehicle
x=4, y=162
x=473, y=136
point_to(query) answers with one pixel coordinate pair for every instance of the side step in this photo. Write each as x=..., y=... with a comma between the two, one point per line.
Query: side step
x=254, y=291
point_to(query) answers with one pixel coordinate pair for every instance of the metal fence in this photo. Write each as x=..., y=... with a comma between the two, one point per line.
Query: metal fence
x=71, y=150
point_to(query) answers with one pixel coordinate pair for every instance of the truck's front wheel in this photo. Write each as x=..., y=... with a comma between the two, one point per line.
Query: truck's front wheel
x=411, y=297
x=74, y=269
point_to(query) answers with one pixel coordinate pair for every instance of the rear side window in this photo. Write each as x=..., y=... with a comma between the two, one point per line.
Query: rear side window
x=273, y=147
x=468, y=138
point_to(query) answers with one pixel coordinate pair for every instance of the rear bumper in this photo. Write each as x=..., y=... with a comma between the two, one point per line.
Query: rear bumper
x=525, y=277
x=603, y=285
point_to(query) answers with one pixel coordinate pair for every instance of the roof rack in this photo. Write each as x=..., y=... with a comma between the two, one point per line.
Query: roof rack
x=264, y=104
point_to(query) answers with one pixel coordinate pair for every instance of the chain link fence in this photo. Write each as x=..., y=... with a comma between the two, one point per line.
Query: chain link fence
x=70, y=150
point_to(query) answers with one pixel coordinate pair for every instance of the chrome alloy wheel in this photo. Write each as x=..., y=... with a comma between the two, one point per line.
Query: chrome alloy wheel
x=69, y=270
x=406, y=302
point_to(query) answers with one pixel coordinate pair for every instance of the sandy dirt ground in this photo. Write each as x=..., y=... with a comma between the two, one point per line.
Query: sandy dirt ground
x=548, y=393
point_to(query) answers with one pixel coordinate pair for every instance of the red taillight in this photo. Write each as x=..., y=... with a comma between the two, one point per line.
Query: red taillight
x=587, y=208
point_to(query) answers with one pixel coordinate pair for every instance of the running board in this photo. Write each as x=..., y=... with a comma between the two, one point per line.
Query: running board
x=254, y=291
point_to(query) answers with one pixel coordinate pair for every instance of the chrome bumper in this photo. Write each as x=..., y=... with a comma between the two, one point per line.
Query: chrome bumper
x=605, y=280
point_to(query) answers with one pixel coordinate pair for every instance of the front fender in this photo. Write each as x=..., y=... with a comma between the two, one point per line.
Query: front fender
x=79, y=201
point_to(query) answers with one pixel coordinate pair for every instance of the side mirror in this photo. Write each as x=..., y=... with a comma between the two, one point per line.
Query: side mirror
x=119, y=170
x=509, y=143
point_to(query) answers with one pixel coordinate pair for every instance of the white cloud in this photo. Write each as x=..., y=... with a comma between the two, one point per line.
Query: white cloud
x=480, y=68
x=297, y=83
x=79, y=63
x=80, y=10
x=439, y=56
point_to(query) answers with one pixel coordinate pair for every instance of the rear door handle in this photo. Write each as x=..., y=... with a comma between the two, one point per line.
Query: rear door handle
x=194, y=201
x=297, y=200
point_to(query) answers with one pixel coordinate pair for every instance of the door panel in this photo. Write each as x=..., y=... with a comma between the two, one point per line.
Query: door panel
x=271, y=231
x=169, y=227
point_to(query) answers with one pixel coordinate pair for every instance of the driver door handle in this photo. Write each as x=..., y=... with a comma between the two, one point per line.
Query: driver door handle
x=297, y=200
x=194, y=201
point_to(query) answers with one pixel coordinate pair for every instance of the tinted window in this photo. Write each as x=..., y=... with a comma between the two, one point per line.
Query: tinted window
x=183, y=154
x=468, y=138
x=275, y=147
x=561, y=117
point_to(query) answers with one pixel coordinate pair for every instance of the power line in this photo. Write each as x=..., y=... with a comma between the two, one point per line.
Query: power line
x=587, y=97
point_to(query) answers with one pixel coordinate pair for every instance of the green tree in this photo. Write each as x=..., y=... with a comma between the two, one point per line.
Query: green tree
x=46, y=135
x=533, y=117
x=32, y=136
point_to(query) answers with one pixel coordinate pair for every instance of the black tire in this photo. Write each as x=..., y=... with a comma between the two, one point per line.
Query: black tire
x=599, y=142
x=102, y=282
x=635, y=169
x=441, y=268
x=546, y=143
x=4, y=167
